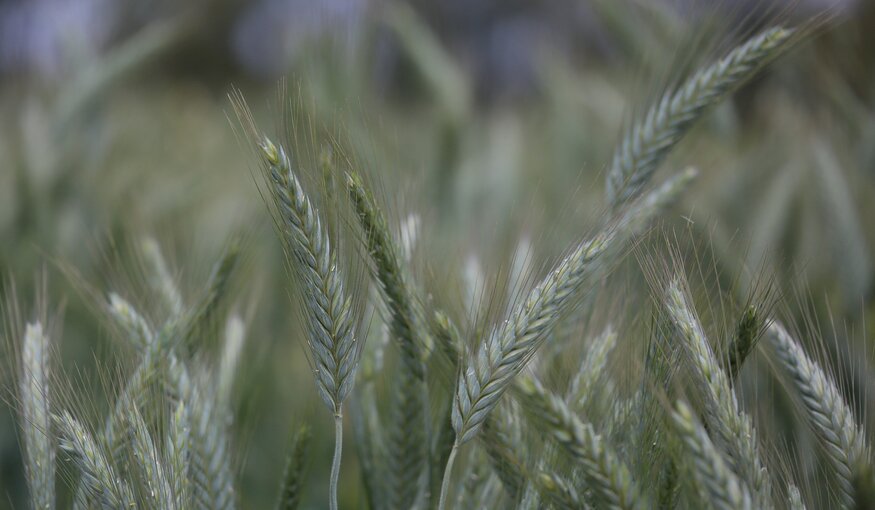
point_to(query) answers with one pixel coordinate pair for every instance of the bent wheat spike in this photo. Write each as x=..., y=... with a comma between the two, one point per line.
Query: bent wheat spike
x=650, y=141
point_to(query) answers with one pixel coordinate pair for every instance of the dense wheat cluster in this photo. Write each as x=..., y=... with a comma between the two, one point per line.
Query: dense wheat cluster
x=622, y=351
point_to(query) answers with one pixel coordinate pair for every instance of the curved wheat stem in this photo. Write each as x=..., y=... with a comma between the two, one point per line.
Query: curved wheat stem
x=650, y=141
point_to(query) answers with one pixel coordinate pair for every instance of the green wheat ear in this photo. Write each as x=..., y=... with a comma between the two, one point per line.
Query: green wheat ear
x=830, y=417
x=332, y=341
x=716, y=481
x=36, y=419
x=99, y=479
x=652, y=139
x=605, y=473
x=407, y=441
x=296, y=465
x=725, y=419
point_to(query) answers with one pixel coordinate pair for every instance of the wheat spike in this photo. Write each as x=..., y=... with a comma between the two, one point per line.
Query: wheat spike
x=723, y=414
x=605, y=473
x=293, y=476
x=827, y=413
x=332, y=342
x=407, y=442
x=649, y=142
x=99, y=479
x=717, y=484
x=36, y=419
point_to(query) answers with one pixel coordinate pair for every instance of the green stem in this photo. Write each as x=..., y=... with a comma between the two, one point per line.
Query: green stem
x=335, y=464
x=448, y=472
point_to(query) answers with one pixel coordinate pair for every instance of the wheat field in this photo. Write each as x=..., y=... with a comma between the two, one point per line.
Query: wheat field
x=640, y=277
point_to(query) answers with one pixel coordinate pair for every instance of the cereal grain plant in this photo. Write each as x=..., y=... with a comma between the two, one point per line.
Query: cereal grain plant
x=539, y=391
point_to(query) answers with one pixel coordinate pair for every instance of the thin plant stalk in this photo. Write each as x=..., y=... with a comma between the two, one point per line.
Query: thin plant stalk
x=448, y=471
x=335, y=462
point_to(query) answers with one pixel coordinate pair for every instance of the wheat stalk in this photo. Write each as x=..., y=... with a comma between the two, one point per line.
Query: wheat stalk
x=650, y=141
x=827, y=413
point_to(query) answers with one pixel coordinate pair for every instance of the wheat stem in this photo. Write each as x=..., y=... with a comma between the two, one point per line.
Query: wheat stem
x=335, y=462
x=448, y=475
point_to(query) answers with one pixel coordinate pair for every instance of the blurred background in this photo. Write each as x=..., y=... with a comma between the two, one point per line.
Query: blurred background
x=492, y=120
